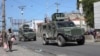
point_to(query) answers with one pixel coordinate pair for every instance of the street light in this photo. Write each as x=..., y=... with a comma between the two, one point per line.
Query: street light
x=22, y=12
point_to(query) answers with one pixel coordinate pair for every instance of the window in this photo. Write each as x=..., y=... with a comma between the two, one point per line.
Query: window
x=49, y=27
x=65, y=24
x=28, y=30
x=44, y=26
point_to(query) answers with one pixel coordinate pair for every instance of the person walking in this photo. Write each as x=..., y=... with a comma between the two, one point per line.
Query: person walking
x=10, y=35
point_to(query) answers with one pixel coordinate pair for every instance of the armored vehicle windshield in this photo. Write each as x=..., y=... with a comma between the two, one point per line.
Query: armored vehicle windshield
x=65, y=24
x=28, y=30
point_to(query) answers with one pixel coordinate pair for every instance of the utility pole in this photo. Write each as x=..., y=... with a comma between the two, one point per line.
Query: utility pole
x=57, y=5
x=81, y=11
x=22, y=11
x=46, y=15
x=46, y=8
x=3, y=23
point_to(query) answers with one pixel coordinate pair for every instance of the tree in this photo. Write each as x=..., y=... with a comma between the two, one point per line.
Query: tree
x=88, y=11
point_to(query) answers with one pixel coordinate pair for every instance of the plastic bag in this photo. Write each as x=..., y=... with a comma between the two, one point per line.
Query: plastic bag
x=5, y=46
x=13, y=39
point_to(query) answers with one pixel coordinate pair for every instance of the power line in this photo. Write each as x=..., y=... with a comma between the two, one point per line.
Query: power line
x=57, y=5
x=21, y=3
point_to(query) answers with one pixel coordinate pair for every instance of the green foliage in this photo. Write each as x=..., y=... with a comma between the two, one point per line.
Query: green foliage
x=88, y=11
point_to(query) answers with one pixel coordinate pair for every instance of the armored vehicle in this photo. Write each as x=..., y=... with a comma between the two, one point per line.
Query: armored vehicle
x=62, y=31
x=25, y=33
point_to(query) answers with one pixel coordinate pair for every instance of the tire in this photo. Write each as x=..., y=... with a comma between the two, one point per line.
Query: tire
x=23, y=39
x=34, y=38
x=45, y=41
x=29, y=39
x=81, y=42
x=19, y=39
x=60, y=40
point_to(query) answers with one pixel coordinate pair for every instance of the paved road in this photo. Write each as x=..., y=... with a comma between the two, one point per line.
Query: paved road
x=18, y=51
x=71, y=49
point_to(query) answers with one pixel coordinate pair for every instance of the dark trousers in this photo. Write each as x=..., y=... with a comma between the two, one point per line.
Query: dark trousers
x=10, y=45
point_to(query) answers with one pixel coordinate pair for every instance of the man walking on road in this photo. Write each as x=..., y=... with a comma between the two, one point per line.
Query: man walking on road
x=9, y=36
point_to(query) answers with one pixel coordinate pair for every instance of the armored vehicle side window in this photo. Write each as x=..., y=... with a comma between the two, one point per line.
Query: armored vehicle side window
x=65, y=24
x=56, y=15
x=25, y=31
x=71, y=24
x=44, y=27
x=53, y=25
x=25, y=26
x=49, y=27
x=28, y=30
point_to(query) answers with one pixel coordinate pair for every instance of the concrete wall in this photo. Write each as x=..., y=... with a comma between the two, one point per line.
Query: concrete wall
x=97, y=15
x=34, y=24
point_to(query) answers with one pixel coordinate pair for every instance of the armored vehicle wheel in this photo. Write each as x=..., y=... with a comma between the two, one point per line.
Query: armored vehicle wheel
x=23, y=39
x=81, y=42
x=45, y=41
x=19, y=39
x=60, y=40
x=34, y=38
x=29, y=39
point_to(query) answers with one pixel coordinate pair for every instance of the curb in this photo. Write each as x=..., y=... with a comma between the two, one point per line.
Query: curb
x=89, y=38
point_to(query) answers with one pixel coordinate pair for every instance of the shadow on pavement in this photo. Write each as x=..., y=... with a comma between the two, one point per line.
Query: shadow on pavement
x=12, y=50
x=15, y=50
x=66, y=44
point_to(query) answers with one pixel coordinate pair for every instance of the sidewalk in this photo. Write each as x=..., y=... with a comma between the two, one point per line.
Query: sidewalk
x=90, y=38
x=18, y=51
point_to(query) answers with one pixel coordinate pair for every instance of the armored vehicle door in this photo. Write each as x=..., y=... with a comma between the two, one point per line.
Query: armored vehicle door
x=50, y=30
x=53, y=29
x=44, y=30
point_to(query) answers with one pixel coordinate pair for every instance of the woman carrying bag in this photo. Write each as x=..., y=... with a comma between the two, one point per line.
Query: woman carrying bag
x=10, y=39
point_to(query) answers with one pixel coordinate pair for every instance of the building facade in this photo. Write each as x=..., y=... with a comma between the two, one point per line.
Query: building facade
x=77, y=18
x=34, y=24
